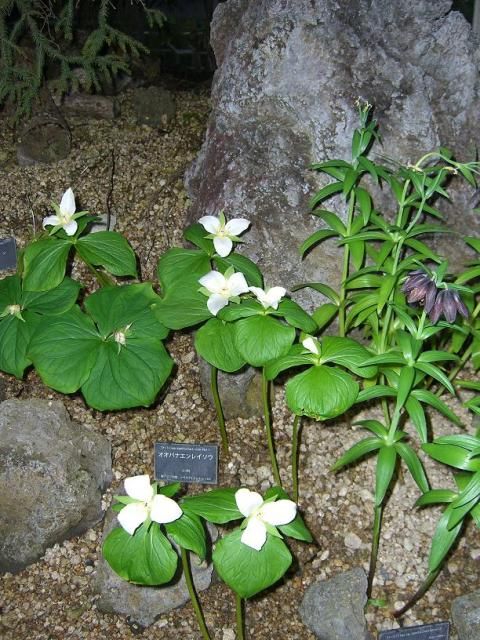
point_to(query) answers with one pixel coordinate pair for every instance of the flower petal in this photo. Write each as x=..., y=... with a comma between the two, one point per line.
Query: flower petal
x=237, y=284
x=278, y=512
x=216, y=302
x=139, y=488
x=222, y=245
x=50, y=220
x=67, y=205
x=214, y=281
x=70, y=227
x=274, y=295
x=210, y=224
x=164, y=509
x=132, y=516
x=255, y=534
x=311, y=345
x=247, y=501
x=236, y=226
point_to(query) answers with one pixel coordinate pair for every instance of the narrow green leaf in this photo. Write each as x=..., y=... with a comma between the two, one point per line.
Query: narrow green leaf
x=324, y=193
x=359, y=450
x=435, y=496
x=442, y=541
x=324, y=289
x=325, y=314
x=405, y=384
x=417, y=416
x=386, y=461
x=414, y=465
x=434, y=372
x=316, y=238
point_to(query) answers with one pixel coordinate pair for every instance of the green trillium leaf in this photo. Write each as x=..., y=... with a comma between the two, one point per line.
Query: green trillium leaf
x=245, y=309
x=182, y=305
x=296, y=316
x=215, y=343
x=262, y=338
x=177, y=265
x=295, y=529
x=15, y=335
x=127, y=376
x=321, y=392
x=114, y=308
x=145, y=558
x=197, y=235
x=10, y=292
x=246, y=570
x=348, y=353
x=188, y=532
x=296, y=357
x=54, y=301
x=63, y=350
x=217, y=506
x=110, y=250
x=44, y=263
x=243, y=264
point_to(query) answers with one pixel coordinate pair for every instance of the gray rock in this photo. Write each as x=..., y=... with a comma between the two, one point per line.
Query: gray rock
x=333, y=609
x=466, y=616
x=52, y=474
x=240, y=393
x=143, y=605
x=45, y=139
x=87, y=105
x=289, y=73
x=154, y=106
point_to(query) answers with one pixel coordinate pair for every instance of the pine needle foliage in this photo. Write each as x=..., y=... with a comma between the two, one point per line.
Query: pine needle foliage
x=35, y=34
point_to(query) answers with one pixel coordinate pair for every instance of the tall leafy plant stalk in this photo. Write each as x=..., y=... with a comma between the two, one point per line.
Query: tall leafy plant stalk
x=409, y=347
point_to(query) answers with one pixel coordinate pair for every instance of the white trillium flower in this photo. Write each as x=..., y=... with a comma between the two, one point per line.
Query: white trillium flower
x=260, y=513
x=223, y=232
x=148, y=504
x=222, y=288
x=65, y=217
x=312, y=345
x=270, y=297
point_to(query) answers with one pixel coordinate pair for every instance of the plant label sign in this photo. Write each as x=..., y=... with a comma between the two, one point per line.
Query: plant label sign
x=8, y=253
x=436, y=631
x=186, y=462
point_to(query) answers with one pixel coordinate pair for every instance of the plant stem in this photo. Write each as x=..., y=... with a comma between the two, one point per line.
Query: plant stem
x=240, y=620
x=297, y=428
x=377, y=523
x=268, y=427
x=102, y=278
x=218, y=407
x=345, y=267
x=421, y=591
x=193, y=596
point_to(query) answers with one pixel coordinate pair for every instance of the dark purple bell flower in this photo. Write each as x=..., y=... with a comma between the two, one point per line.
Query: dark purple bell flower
x=421, y=289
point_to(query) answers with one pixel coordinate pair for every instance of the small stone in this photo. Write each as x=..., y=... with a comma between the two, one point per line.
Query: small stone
x=228, y=634
x=352, y=541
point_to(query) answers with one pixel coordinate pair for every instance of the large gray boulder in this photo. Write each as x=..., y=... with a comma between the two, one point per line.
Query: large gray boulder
x=52, y=475
x=289, y=73
x=334, y=609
